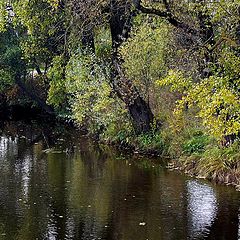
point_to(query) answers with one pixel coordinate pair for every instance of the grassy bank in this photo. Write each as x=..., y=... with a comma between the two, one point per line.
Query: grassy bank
x=220, y=164
x=192, y=152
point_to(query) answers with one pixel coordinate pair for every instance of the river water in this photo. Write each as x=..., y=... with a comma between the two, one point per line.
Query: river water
x=79, y=190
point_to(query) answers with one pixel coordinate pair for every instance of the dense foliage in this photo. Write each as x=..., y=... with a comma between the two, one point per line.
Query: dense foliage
x=162, y=70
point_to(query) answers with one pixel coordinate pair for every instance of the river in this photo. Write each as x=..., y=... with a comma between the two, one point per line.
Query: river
x=57, y=184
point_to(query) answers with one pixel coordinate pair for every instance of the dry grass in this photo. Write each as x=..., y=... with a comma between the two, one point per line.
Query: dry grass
x=216, y=163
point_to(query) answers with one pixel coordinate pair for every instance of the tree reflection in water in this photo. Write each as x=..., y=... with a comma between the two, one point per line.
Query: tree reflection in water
x=93, y=194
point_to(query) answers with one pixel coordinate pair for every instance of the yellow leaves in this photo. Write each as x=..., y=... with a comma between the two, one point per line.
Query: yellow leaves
x=37, y=16
x=53, y=3
x=218, y=105
x=3, y=16
x=219, y=109
x=176, y=81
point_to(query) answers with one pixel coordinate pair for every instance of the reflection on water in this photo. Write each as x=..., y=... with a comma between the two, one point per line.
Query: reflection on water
x=202, y=206
x=238, y=223
x=93, y=194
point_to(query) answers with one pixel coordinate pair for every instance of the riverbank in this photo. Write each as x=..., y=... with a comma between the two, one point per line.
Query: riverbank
x=198, y=157
x=95, y=192
x=218, y=164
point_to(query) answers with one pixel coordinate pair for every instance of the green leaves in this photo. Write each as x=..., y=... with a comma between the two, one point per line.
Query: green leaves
x=57, y=91
x=3, y=15
x=196, y=144
x=144, y=54
x=10, y=58
x=90, y=95
x=6, y=80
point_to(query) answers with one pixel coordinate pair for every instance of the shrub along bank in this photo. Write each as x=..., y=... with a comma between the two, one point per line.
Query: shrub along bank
x=160, y=76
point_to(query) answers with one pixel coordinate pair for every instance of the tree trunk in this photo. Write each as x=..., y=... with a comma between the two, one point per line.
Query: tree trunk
x=142, y=115
x=139, y=109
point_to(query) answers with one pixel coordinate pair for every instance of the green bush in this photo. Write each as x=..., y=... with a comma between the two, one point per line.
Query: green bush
x=151, y=141
x=196, y=144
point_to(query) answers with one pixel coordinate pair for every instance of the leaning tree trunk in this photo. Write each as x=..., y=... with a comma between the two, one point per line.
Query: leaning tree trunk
x=139, y=109
x=141, y=115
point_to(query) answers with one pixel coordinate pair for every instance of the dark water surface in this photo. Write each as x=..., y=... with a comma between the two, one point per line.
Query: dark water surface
x=94, y=193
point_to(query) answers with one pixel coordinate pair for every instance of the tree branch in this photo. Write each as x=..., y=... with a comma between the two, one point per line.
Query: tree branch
x=166, y=4
x=167, y=15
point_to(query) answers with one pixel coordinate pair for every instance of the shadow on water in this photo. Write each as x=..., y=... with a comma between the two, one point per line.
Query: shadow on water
x=91, y=192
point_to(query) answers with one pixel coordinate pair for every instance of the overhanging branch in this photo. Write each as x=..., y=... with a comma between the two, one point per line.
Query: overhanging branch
x=167, y=15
